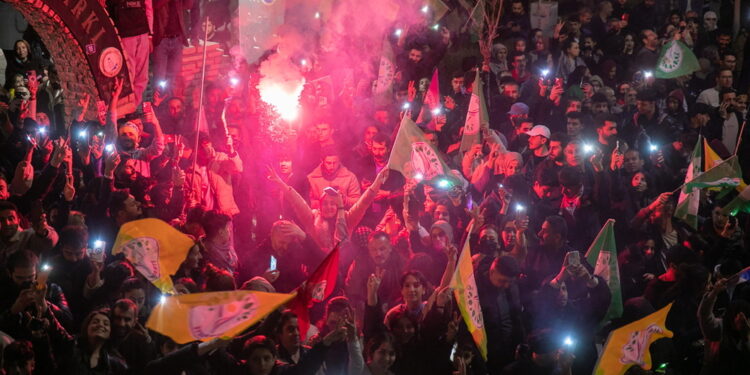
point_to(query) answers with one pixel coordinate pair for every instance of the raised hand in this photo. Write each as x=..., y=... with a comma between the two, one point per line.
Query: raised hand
x=274, y=177
x=112, y=161
x=117, y=87
x=412, y=92
x=660, y=200
x=69, y=191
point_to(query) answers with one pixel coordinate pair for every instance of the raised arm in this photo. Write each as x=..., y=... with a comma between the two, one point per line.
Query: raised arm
x=357, y=211
x=110, y=128
x=300, y=207
x=711, y=325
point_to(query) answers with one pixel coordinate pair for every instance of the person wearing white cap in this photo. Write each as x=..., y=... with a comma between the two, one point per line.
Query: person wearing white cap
x=128, y=138
x=538, y=146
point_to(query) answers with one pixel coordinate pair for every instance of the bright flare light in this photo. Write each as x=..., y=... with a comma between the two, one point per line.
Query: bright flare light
x=425, y=9
x=436, y=26
x=82, y=134
x=317, y=15
x=648, y=74
x=45, y=267
x=520, y=207
x=419, y=177
x=109, y=148
x=653, y=148
x=234, y=81
x=41, y=130
x=284, y=102
x=405, y=106
x=162, y=299
x=444, y=184
x=162, y=84
x=98, y=243
x=398, y=32
x=436, y=111
x=545, y=72
x=588, y=149
x=568, y=341
x=303, y=62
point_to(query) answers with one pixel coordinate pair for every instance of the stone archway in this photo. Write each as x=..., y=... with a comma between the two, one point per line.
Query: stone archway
x=84, y=45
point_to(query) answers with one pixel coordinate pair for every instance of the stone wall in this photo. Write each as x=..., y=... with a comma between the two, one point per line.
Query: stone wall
x=75, y=76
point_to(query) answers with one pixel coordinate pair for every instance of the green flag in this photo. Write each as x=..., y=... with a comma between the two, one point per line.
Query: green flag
x=602, y=255
x=722, y=182
x=438, y=9
x=725, y=174
x=413, y=155
x=476, y=118
x=740, y=203
x=382, y=91
x=687, y=205
x=676, y=60
x=476, y=12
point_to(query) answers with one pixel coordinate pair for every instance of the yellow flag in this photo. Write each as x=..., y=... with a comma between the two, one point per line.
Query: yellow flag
x=710, y=157
x=205, y=316
x=464, y=287
x=155, y=249
x=629, y=345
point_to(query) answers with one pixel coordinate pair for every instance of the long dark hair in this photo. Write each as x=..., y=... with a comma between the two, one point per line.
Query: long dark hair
x=83, y=338
x=376, y=341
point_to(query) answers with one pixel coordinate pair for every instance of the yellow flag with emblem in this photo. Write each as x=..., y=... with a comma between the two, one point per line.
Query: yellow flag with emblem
x=155, y=249
x=629, y=345
x=206, y=316
x=464, y=287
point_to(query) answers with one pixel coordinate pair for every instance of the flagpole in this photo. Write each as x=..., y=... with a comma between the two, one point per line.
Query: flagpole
x=739, y=138
x=200, y=109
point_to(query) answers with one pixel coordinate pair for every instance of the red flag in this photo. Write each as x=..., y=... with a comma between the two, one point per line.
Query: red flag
x=431, y=102
x=317, y=288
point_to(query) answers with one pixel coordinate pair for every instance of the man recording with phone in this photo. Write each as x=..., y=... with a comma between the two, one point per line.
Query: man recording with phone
x=32, y=305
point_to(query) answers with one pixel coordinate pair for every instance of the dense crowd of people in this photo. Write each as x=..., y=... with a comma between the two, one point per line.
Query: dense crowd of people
x=580, y=131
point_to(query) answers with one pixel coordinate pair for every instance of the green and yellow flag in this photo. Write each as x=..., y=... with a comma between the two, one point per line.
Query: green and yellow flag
x=155, y=249
x=477, y=117
x=464, y=287
x=629, y=345
x=414, y=156
x=205, y=316
x=725, y=174
x=602, y=255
